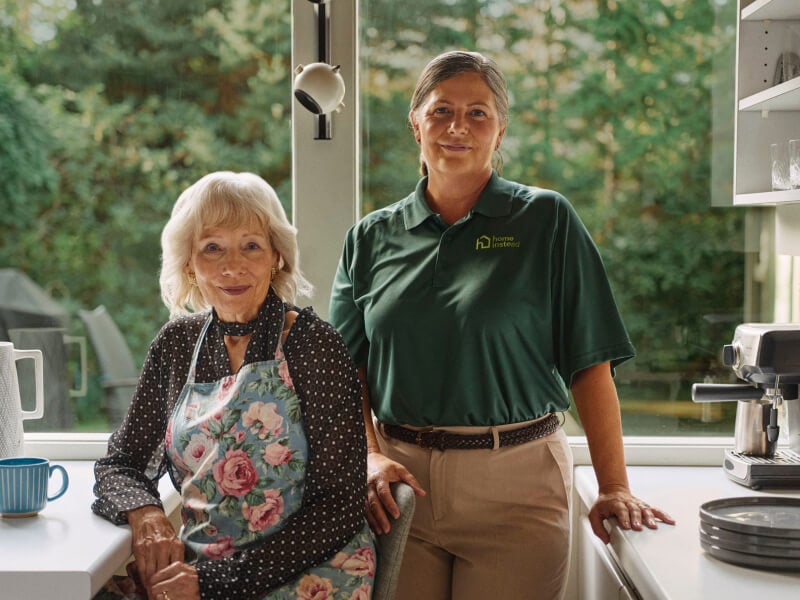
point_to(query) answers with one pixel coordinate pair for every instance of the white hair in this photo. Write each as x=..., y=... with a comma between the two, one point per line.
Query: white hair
x=226, y=199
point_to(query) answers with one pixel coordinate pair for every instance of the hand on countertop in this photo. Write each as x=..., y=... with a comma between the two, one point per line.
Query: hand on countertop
x=630, y=512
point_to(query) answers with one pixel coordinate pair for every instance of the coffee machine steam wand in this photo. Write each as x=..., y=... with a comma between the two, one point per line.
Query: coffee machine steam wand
x=767, y=357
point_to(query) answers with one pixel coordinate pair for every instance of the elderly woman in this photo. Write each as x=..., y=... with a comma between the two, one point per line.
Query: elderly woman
x=253, y=407
x=471, y=307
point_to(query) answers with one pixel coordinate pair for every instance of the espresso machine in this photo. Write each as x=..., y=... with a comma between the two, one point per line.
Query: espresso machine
x=766, y=357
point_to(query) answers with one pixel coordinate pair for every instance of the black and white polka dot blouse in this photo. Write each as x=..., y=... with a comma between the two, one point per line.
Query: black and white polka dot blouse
x=326, y=383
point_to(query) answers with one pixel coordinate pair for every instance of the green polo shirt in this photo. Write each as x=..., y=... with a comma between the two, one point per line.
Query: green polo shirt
x=477, y=323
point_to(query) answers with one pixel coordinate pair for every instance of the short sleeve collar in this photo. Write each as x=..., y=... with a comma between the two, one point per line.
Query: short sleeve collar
x=495, y=201
x=496, y=198
x=415, y=208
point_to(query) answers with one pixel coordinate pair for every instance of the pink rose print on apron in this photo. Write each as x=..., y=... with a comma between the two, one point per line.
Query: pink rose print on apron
x=240, y=445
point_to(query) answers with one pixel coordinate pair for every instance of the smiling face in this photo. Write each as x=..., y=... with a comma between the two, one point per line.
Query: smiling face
x=232, y=266
x=458, y=126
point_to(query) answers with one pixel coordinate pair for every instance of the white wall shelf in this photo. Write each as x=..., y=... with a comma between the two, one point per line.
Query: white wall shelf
x=767, y=198
x=784, y=96
x=765, y=10
x=766, y=113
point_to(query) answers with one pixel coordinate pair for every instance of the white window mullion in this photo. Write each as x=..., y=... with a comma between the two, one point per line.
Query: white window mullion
x=325, y=173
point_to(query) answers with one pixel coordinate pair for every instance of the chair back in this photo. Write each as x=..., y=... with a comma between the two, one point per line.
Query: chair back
x=117, y=368
x=390, y=546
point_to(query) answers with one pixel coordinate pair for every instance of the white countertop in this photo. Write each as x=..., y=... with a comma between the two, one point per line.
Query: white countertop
x=669, y=563
x=68, y=552
x=65, y=551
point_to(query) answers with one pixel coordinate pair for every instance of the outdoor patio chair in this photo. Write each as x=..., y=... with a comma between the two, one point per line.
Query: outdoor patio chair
x=118, y=371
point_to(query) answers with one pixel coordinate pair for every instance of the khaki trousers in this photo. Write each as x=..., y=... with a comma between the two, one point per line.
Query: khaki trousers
x=495, y=524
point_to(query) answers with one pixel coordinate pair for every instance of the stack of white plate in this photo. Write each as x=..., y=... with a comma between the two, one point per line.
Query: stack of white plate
x=761, y=532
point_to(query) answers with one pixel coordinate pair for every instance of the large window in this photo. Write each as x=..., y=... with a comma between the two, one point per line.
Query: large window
x=627, y=109
x=109, y=108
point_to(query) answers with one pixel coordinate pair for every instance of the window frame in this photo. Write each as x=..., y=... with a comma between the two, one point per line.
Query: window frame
x=326, y=202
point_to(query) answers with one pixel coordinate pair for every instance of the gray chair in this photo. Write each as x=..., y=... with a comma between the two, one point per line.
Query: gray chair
x=390, y=546
x=119, y=374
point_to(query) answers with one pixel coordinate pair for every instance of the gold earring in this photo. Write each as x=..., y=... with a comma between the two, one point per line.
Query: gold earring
x=192, y=279
x=273, y=273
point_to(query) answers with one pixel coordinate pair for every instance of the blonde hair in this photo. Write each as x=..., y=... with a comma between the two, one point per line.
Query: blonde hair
x=226, y=199
x=452, y=64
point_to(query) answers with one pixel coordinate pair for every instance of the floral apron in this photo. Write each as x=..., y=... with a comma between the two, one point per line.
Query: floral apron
x=241, y=448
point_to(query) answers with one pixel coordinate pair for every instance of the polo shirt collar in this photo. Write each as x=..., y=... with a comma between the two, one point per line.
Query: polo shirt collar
x=494, y=201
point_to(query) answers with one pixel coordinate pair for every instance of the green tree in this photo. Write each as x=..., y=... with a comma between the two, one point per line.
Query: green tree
x=640, y=172
x=26, y=176
x=108, y=110
x=611, y=105
x=148, y=96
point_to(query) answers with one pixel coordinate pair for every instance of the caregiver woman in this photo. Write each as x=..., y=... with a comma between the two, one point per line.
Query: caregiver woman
x=253, y=407
x=470, y=307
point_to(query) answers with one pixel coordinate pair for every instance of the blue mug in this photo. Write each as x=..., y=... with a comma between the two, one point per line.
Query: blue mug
x=24, y=483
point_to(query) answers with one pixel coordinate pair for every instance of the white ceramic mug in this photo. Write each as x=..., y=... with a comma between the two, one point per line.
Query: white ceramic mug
x=11, y=413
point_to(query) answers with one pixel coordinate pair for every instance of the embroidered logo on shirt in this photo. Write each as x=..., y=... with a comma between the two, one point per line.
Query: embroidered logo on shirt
x=490, y=242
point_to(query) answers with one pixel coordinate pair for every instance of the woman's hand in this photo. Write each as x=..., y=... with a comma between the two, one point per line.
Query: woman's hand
x=155, y=543
x=595, y=397
x=629, y=511
x=178, y=581
x=382, y=471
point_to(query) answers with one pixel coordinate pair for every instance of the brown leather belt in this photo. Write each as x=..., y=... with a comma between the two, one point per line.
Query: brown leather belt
x=445, y=440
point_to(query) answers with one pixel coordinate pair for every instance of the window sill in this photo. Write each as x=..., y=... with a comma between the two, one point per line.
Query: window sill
x=639, y=451
x=662, y=451
x=67, y=446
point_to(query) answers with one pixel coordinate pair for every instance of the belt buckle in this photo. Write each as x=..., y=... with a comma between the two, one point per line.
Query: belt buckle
x=427, y=437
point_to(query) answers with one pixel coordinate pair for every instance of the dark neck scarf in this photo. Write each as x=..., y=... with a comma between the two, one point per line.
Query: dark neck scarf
x=239, y=329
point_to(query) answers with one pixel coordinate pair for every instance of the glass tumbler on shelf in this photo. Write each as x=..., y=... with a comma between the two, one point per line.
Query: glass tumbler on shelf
x=794, y=164
x=779, y=156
